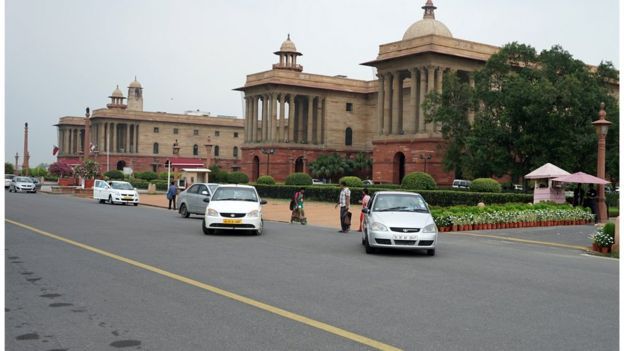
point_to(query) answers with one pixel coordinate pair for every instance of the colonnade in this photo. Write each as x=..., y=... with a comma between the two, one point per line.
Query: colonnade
x=266, y=119
x=121, y=137
x=392, y=116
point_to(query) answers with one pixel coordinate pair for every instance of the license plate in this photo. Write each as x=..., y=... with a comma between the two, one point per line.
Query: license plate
x=232, y=221
x=403, y=237
x=127, y=198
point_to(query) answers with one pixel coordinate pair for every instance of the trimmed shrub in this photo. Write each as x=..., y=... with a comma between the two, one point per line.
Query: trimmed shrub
x=299, y=179
x=160, y=184
x=609, y=229
x=139, y=183
x=219, y=176
x=146, y=175
x=267, y=180
x=114, y=174
x=163, y=175
x=418, y=181
x=237, y=178
x=352, y=181
x=485, y=185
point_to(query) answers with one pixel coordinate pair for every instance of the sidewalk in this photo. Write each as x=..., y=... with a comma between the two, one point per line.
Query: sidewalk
x=321, y=214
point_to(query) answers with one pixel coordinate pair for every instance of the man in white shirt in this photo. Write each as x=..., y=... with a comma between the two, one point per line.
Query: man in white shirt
x=343, y=201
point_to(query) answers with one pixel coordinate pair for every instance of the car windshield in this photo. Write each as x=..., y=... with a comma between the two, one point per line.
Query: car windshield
x=234, y=194
x=400, y=203
x=122, y=186
x=23, y=180
x=213, y=187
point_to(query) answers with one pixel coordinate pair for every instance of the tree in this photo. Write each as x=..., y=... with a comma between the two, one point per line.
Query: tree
x=60, y=169
x=87, y=169
x=329, y=166
x=360, y=165
x=8, y=168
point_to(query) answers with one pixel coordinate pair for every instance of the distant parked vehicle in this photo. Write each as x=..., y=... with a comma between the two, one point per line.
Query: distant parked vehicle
x=461, y=184
x=115, y=192
x=317, y=182
x=518, y=187
x=36, y=182
x=7, y=180
x=22, y=184
x=191, y=200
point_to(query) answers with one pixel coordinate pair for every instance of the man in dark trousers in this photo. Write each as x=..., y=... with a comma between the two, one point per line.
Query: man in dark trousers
x=171, y=195
x=343, y=201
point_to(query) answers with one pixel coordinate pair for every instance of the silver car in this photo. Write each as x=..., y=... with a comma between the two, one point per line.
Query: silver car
x=398, y=220
x=191, y=200
x=19, y=184
x=7, y=180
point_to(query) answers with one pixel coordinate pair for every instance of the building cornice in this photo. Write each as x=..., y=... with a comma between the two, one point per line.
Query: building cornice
x=307, y=80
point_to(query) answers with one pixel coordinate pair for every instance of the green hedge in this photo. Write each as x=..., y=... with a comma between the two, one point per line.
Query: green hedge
x=352, y=181
x=146, y=175
x=298, y=179
x=267, y=180
x=114, y=174
x=160, y=184
x=163, y=175
x=433, y=197
x=237, y=178
x=139, y=183
x=485, y=185
x=418, y=181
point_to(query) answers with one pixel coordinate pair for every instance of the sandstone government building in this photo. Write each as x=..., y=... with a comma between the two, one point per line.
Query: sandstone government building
x=292, y=117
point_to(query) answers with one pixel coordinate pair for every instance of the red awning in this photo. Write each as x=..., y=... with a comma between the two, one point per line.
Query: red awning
x=187, y=162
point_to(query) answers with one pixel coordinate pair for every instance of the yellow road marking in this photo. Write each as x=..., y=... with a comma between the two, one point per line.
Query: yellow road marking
x=251, y=302
x=526, y=241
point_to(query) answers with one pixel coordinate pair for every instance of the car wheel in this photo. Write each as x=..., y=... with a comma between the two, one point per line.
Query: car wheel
x=136, y=204
x=206, y=230
x=110, y=200
x=430, y=252
x=259, y=231
x=101, y=201
x=369, y=249
x=184, y=212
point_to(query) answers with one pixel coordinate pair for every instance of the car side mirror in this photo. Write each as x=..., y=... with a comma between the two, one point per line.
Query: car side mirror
x=365, y=210
x=263, y=202
x=205, y=193
x=207, y=199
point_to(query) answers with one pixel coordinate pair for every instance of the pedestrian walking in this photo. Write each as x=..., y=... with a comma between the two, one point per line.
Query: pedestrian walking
x=365, y=199
x=171, y=195
x=591, y=201
x=298, y=214
x=343, y=201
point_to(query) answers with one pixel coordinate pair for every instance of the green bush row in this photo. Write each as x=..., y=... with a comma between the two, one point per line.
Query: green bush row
x=443, y=198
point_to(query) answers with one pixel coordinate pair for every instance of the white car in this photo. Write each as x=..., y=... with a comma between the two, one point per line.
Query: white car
x=398, y=220
x=19, y=184
x=233, y=207
x=7, y=180
x=115, y=192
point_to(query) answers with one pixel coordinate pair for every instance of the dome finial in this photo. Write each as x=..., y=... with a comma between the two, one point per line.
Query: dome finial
x=429, y=10
x=288, y=37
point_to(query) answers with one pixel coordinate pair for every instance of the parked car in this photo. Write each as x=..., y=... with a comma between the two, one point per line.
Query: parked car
x=518, y=187
x=191, y=200
x=115, y=192
x=7, y=180
x=398, y=220
x=36, y=182
x=19, y=184
x=317, y=182
x=367, y=182
x=233, y=207
x=461, y=184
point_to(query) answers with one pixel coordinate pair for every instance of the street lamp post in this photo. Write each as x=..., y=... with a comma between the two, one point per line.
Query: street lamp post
x=425, y=157
x=602, y=127
x=268, y=152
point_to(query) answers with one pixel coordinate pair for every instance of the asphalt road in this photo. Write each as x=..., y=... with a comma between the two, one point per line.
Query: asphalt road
x=475, y=294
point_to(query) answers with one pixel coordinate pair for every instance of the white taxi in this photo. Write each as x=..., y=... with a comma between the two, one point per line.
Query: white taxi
x=233, y=208
x=115, y=192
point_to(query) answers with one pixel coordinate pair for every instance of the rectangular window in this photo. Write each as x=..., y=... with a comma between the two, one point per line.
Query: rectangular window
x=156, y=130
x=175, y=130
x=216, y=133
x=235, y=134
x=195, y=131
x=349, y=107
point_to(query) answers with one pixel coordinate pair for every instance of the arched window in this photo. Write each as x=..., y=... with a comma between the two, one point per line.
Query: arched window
x=235, y=152
x=195, y=150
x=216, y=150
x=155, y=149
x=348, y=136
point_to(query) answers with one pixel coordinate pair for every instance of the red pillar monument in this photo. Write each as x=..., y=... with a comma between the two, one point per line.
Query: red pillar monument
x=602, y=127
x=25, y=165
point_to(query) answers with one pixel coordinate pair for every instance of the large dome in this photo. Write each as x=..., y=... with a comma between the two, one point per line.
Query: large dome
x=428, y=25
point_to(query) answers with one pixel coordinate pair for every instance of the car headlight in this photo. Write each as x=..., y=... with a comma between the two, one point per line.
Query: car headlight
x=431, y=228
x=378, y=227
x=212, y=213
x=254, y=214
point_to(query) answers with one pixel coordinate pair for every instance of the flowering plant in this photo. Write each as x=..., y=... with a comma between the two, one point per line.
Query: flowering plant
x=602, y=239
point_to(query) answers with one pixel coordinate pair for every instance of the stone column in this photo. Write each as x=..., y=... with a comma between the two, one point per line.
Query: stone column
x=387, y=103
x=114, y=137
x=254, y=119
x=246, y=127
x=319, y=120
x=136, y=136
x=291, y=118
x=299, y=119
x=412, y=121
x=396, y=103
x=310, y=120
x=127, y=143
x=281, y=126
x=380, y=103
x=265, y=117
x=430, y=88
x=422, y=88
x=273, y=120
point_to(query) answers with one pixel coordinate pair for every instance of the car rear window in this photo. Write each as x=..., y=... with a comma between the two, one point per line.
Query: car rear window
x=399, y=203
x=234, y=194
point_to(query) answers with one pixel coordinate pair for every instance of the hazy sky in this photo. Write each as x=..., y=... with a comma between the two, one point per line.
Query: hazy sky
x=64, y=55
